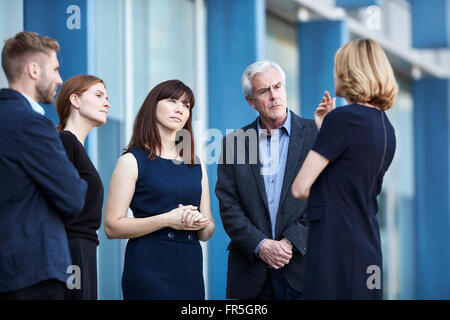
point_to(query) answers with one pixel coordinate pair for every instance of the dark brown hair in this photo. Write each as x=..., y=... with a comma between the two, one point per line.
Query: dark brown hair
x=145, y=132
x=19, y=48
x=75, y=85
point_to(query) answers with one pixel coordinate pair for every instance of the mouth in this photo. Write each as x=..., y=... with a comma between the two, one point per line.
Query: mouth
x=175, y=119
x=105, y=112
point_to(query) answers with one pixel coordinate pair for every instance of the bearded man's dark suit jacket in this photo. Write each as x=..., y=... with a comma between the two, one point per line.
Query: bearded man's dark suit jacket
x=39, y=187
x=244, y=211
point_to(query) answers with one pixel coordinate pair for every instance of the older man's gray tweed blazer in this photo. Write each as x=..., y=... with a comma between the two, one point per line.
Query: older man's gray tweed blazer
x=245, y=215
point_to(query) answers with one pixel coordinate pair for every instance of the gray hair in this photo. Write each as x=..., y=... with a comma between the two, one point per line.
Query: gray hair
x=253, y=69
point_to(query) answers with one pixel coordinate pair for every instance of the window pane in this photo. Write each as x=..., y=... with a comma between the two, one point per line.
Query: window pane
x=11, y=22
x=281, y=47
x=164, y=44
x=396, y=213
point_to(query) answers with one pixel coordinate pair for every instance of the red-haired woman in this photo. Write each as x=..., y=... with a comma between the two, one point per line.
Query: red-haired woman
x=82, y=104
x=167, y=190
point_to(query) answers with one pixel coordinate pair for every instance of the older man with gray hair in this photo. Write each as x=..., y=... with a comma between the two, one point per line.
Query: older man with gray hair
x=266, y=225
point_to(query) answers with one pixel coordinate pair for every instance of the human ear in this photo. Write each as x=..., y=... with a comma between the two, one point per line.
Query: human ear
x=250, y=102
x=33, y=70
x=75, y=100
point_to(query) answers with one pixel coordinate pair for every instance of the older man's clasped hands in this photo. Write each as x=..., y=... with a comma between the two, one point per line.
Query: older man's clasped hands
x=276, y=254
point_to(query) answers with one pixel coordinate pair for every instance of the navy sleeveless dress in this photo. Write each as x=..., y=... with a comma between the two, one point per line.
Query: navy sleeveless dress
x=343, y=259
x=168, y=263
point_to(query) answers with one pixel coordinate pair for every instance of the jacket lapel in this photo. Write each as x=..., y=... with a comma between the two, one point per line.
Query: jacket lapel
x=295, y=149
x=296, y=143
x=256, y=168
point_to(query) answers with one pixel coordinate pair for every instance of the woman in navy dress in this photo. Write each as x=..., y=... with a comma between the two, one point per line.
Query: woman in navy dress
x=166, y=187
x=343, y=174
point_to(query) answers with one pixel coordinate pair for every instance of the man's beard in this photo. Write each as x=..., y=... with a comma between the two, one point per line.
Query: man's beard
x=44, y=91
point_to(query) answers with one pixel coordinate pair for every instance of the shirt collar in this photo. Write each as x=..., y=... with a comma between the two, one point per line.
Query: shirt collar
x=286, y=125
x=36, y=107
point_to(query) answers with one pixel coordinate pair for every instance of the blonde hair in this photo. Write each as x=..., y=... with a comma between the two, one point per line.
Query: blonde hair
x=18, y=49
x=365, y=73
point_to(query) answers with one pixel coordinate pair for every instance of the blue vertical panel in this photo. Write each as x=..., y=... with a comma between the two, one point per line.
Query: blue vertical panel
x=408, y=245
x=109, y=259
x=106, y=20
x=357, y=3
x=430, y=23
x=65, y=21
x=318, y=41
x=236, y=30
x=432, y=146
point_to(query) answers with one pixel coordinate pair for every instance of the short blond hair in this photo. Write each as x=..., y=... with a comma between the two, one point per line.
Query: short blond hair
x=20, y=48
x=366, y=74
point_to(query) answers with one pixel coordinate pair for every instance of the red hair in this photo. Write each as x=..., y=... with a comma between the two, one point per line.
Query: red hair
x=75, y=85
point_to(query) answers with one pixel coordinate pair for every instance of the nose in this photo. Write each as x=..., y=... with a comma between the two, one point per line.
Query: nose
x=273, y=94
x=107, y=105
x=59, y=81
x=179, y=108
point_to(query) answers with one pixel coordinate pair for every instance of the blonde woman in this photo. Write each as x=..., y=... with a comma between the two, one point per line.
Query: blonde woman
x=342, y=176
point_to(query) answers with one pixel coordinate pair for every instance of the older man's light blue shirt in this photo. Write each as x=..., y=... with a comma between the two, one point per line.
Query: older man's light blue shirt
x=36, y=107
x=273, y=164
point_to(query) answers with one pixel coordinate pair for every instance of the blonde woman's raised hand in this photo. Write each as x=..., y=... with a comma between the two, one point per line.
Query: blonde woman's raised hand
x=326, y=106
